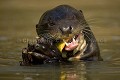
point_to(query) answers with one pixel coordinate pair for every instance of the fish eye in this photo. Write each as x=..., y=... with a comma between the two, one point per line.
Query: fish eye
x=57, y=40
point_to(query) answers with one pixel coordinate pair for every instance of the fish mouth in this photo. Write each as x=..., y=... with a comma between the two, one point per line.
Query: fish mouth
x=70, y=44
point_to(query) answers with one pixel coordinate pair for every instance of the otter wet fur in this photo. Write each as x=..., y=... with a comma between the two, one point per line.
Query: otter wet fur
x=63, y=35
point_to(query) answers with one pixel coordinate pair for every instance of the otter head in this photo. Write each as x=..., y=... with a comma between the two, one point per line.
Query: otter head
x=63, y=25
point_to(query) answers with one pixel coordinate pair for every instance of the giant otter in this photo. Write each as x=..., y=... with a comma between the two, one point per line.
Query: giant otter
x=63, y=35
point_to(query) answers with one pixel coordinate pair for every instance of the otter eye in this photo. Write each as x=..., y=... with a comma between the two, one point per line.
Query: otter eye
x=71, y=28
x=51, y=24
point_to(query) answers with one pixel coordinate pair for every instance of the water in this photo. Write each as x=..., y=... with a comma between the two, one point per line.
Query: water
x=17, y=25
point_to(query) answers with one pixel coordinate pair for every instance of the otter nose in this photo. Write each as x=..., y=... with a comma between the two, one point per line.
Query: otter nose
x=66, y=30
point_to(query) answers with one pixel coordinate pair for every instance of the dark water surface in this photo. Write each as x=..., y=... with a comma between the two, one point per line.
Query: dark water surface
x=17, y=25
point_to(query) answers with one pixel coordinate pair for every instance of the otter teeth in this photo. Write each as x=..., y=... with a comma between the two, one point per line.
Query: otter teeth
x=73, y=40
x=66, y=43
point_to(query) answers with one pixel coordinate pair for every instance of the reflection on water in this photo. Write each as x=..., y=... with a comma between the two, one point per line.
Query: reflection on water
x=65, y=71
x=17, y=26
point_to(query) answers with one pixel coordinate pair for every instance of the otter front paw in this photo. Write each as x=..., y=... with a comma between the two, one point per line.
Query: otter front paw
x=27, y=58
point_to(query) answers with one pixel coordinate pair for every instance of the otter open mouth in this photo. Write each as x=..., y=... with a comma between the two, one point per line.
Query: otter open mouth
x=71, y=44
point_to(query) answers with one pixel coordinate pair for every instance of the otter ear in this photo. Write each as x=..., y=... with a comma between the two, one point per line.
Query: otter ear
x=36, y=25
x=81, y=14
x=80, y=11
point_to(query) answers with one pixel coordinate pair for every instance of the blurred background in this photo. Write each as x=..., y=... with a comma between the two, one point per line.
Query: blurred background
x=18, y=19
